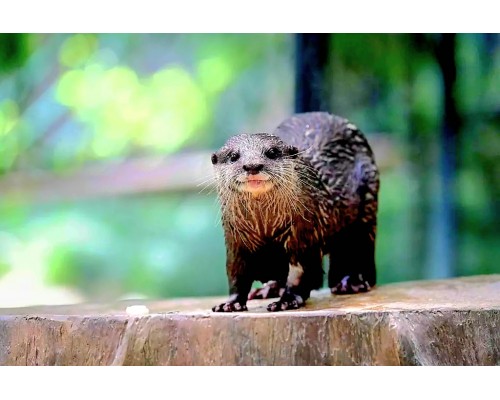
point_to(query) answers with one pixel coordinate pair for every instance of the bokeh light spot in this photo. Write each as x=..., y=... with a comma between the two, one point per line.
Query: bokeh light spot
x=77, y=49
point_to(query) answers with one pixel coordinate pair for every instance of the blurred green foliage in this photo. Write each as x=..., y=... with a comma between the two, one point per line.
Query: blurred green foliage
x=68, y=101
x=14, y=49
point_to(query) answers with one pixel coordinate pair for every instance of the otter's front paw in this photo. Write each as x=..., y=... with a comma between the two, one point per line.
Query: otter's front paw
x=351, y=285
x=288, y=302
x=230, y=306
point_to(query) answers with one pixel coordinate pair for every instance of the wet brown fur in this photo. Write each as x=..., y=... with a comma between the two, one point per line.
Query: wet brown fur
x=323, y=201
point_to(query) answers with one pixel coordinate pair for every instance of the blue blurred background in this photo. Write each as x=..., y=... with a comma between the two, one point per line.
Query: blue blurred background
x=105, y=143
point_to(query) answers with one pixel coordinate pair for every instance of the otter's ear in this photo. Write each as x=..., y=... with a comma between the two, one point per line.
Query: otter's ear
x=292, y=151
x=214, y=158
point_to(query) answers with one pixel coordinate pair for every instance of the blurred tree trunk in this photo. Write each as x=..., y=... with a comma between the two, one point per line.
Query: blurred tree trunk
x=311, y=62
x=444, y=222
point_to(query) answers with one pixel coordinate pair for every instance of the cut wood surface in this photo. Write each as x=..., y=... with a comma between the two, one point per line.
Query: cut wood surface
x=447, y=322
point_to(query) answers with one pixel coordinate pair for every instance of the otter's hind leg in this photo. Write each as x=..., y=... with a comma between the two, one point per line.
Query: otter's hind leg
x=271, y=268
x=269, y=290
x=352, y=249
x=352, y=259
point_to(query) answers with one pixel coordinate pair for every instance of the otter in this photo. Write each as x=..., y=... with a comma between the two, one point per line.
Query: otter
x=288, y=198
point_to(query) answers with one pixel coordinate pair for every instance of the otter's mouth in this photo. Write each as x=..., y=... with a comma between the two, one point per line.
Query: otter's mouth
x=255, y=184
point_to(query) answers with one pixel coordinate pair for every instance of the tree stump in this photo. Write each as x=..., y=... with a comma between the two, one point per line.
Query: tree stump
x=447, y=322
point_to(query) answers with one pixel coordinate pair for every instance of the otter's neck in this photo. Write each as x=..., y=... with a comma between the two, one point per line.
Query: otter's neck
x=265, y=214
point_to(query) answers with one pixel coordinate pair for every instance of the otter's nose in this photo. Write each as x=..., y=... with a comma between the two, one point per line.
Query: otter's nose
x=253, y=169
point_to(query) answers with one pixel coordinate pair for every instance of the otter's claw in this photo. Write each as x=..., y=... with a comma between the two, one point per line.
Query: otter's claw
x=290, y=302
x=351, y=285
x=230, y=306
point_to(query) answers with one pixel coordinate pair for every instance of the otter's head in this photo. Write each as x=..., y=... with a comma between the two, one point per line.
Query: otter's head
x=255, y=164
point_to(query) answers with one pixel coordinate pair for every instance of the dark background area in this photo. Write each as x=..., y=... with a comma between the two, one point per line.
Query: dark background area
x=105, y=143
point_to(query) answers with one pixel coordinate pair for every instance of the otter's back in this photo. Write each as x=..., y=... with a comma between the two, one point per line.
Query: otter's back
x=335, y=147
x=319, y=130
x=313, y=129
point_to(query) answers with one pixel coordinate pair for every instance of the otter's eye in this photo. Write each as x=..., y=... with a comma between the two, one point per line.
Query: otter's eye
x=233, y=157
x=273, y=153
